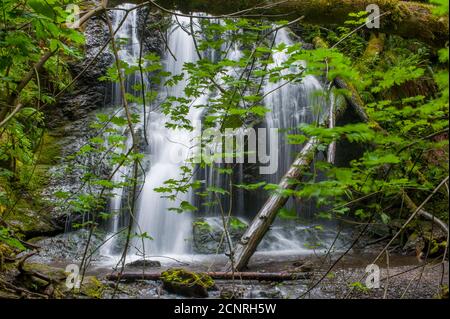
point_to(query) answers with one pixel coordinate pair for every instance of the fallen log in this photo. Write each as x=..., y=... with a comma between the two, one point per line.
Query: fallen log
x=407, y=19
x=421, y=212
x=374, y=48
x=260, y=276
x=261, y=223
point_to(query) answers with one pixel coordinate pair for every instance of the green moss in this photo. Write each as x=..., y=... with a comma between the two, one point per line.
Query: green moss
x=53, y=273
x=188, y=278
x=92, y=287
x=50, y=150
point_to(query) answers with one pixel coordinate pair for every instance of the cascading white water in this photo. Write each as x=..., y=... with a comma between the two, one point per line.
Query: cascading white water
x=170, y=148
x=128, y=52
x=290, y=105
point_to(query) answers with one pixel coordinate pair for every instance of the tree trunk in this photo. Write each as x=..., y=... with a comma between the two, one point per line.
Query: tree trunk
x=261, y=223
x=374, y=48
x=407, y=19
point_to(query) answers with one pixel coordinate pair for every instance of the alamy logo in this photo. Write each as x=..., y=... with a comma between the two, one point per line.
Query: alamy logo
x=373, y=19
x=242, y=145
x=73, y=278
x=72, y=20
x=373, y=277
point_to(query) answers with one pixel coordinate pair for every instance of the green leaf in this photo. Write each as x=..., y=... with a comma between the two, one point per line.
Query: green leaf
x=288, y=214
x=237, y=224
x=186, y=206
x=41, y=7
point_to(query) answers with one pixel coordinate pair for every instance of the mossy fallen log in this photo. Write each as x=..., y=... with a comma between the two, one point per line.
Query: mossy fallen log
x=407, y=19
x=261, y=223
x=422, y=212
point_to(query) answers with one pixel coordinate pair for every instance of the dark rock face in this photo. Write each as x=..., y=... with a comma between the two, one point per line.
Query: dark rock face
x=70, y=118
x=150, y=27
x=67, y=176
x=88, y=93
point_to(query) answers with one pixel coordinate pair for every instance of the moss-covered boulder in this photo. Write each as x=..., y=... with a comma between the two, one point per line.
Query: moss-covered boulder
x=33, y=222
x=186, y=283
x=53, y=273
x=42, y=279
x=92, y=287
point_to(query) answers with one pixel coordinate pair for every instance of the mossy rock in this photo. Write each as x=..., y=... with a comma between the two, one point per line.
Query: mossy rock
x=31, y=223
x=28, y=279
x=187, y=283
x=92, y=287
x=50, y=150
x=6, y=251
x=443, y=293
x=53, y=273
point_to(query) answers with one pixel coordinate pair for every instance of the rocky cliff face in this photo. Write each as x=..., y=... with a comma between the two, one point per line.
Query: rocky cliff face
x=87, y=93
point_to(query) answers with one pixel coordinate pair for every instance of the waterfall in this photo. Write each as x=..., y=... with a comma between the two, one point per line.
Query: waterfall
x=170, y=148
x=163, y=231
x=128, y=52
x=290, y=105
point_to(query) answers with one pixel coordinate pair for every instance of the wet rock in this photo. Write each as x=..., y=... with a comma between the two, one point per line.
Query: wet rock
x=208, y=234
x=88, y=93
x=230, y=292
x=67, y=175
x=150, y=37
x=308, y=46
x=142, y=263
x=303, y=266
x=71, y=117
x=68, y=246
x=186, y=283
x=271, y=294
